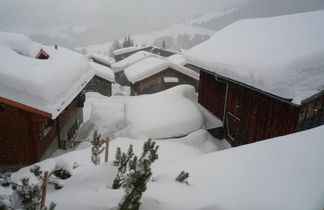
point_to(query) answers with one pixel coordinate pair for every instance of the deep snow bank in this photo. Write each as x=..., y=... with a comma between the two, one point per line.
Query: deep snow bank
x=167, y=114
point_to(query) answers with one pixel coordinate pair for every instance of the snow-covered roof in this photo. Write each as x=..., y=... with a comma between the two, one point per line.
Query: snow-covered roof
x=281, y=55
x=102, y=58
x=178, y=59
x=128, y=49
x=123, y=64
x=103, y=72
x=152, y=65
x=47, y=85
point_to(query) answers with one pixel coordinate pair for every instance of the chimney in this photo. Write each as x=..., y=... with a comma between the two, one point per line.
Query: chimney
x=55, y=47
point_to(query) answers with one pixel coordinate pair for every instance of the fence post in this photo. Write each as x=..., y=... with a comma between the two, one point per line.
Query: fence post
x=44, y=189
x=107, y=149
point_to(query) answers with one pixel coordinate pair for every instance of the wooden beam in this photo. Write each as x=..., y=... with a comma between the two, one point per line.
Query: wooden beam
x=25, y=107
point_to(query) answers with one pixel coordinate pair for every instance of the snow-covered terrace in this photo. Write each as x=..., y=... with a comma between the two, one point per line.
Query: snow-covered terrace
x=153, y=65
x=281, y=55
x=47, y=85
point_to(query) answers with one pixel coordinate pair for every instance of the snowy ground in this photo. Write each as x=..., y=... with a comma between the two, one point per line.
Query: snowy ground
x=282, y=173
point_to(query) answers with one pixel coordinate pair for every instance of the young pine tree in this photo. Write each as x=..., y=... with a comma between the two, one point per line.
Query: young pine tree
x=134, y=173
x=97, y=148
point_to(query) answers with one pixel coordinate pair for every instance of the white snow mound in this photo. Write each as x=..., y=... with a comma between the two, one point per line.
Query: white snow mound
x=170, y=113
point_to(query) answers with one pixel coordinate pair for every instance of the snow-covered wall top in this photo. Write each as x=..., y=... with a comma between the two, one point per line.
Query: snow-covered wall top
x=128, y=49
x=102, y=58
x=103, y=72
x=152, y=65
x=281, y=55
x=123, y=64
x=48, y=85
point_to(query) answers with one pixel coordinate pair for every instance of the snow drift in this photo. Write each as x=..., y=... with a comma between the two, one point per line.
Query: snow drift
x=167, y=114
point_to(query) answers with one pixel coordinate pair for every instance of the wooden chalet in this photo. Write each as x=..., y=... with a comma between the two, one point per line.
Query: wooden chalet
x=102, y=80
x=153, y=74
x=38, y=113
x=271, y=100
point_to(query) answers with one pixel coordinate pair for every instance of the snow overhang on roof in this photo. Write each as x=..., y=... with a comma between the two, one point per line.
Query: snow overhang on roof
x=103, y=72
x=102, y=58
x=281, y=55
x=126, y=62
x=178, y=59
x=152, y=65
x=47, y=86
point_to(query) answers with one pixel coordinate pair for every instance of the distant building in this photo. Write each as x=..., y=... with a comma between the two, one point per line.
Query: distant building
x=123, y=53
x=40, y=100
x=102, y=81
x=263, y=77
x=154, y=74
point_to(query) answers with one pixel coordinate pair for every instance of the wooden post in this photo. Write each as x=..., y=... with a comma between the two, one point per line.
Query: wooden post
x=107, y=149
x=44, y=189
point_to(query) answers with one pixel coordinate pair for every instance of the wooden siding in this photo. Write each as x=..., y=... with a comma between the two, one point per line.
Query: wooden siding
x=97, y=84
x=23, y=138
x=250, y=115
x=121, y=79
x=155, y=83
x=311, y=114
x=212, y=94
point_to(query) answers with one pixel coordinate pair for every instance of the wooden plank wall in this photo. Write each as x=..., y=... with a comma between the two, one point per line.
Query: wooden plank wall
x=212, y=94
x=261, y=116
x=311, y=114
x=155, y=82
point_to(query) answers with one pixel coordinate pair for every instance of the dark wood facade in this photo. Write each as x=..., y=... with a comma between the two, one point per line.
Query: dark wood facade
x=157, y=82
x=100, y=85
x=251, y=115
x=26, y=136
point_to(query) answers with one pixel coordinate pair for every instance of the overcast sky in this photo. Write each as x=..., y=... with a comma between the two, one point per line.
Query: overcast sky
x=137, y=15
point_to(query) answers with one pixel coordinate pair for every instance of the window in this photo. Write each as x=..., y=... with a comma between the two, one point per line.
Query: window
x=171, y=80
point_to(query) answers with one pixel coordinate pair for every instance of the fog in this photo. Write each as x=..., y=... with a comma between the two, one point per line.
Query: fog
x=83, y=22
x=119, y=16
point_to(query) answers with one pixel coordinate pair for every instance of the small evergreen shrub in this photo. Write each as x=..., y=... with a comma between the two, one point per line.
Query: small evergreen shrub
x=97, y=148
x=134, y=173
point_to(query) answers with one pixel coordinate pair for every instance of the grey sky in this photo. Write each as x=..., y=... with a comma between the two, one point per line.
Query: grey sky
x=138, y=15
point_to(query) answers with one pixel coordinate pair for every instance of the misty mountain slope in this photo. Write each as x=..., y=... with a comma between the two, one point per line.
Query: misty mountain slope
x=253, y=9
x=176, y=36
